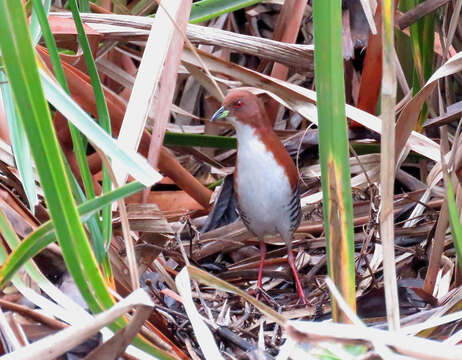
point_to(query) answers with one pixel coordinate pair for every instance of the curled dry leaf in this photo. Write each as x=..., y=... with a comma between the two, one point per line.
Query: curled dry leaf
x=410, y=113
x=302, y=100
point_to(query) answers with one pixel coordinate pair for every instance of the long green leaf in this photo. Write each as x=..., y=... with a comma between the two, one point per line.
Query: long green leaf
x=79, y=147
x=454, y=218
x=35, y=27
x=22, y=71
x=333, y=147
x=218, y=142
x=64, y=308
x=136, y=165
x=23, y=76
x=19, y=143
x=45, y=234
x=102, y=109
x=208, y=9
x=84, y=5
x=422, y=34
x=95, y=225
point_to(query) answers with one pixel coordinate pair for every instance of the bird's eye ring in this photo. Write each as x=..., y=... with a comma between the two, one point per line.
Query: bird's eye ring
x=238, y=104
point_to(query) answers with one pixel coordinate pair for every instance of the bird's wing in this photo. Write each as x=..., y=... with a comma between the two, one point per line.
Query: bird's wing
x=295, y=210
x=243, y=216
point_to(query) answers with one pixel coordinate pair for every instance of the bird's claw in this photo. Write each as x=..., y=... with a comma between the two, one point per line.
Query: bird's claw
x=265, y=297
x=301, y=301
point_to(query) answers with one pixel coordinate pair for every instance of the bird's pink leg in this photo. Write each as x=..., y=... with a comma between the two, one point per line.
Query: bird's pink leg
x=291, y=259
x=260, y=268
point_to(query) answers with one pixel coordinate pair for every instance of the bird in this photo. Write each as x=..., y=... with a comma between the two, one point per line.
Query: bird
x=266, y=179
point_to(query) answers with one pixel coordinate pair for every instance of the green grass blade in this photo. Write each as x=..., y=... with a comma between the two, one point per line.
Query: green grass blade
x=23, y=76
x=454, y=217
x=426, y=42
x=19, y=143
x=136, y=165
x=333, y=147
x=77, y=139
x=35, y=27
x=45, y=234
x=62, y=306
x=101, y=106
x=422, y=35
x=61, y=299
x=84, y=6
x=141, y=7
x=79, y=147
x=217, y=142
x=208, y=9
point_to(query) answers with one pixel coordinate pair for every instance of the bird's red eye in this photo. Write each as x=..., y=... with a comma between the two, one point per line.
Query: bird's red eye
x=238, y=104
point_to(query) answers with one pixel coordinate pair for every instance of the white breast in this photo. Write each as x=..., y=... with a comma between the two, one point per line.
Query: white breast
x=263, y=188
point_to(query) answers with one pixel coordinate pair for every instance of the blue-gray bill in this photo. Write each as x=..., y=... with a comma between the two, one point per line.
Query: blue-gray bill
x=221, y=113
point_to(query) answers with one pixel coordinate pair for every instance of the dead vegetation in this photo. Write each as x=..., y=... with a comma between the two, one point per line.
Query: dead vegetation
x=189, y=217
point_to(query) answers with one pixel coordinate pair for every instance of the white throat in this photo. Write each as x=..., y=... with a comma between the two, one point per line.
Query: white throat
x=244, y=132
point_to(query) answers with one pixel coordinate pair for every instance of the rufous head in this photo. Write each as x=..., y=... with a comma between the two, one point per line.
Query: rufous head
x=242, y=106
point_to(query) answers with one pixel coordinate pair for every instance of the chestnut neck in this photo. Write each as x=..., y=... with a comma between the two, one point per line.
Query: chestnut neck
x=265, y=133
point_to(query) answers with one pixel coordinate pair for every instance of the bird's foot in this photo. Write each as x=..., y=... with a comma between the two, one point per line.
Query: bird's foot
x=298, y=284
x=258, y=291
x=301, y=294
x=301, y=300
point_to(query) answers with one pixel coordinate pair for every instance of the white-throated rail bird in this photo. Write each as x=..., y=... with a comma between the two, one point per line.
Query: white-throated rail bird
x=265, y=178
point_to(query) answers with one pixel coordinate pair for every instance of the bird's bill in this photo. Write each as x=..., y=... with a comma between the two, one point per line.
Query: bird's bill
x=221, y=113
